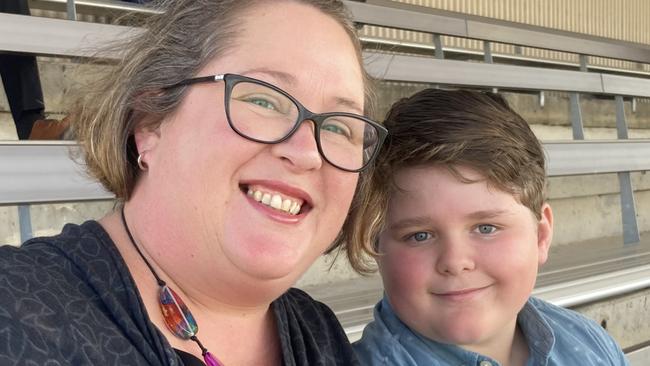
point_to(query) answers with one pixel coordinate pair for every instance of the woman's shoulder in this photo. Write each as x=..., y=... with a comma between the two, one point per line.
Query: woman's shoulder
x=309, y=331
x=42, y=255
x=308, y=310
x=60, y=296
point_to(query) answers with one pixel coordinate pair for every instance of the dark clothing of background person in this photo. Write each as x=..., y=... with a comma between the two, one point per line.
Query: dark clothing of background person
x=21, y=80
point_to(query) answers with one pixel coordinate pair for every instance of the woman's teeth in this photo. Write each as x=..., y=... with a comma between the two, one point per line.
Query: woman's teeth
x=275, y=201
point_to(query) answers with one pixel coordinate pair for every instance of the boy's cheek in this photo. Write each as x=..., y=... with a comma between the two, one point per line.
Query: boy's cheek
x=405, y=266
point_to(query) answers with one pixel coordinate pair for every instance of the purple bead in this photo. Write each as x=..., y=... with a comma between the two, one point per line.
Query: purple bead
x=210, y=360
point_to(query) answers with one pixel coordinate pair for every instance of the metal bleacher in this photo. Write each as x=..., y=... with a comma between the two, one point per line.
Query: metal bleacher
x=24, y=166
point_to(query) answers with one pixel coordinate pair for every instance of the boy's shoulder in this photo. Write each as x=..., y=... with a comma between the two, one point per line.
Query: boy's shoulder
x=574, y=337
x=561, y=319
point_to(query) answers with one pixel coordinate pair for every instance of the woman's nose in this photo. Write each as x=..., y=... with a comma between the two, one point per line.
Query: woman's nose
x=300, y=151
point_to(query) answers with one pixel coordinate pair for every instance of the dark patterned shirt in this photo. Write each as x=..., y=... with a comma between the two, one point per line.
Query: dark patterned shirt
x=70, y=300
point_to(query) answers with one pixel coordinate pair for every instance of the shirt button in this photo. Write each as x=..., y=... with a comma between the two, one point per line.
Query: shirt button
x=485, y=363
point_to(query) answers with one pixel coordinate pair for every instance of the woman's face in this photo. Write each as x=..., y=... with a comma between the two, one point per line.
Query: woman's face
x=200, y=170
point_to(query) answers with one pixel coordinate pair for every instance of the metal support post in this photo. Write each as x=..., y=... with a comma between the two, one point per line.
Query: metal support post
x=71, y=10
x=576, y=117
x=628, y=206
x=576, y=113
x=437, y=42
x=487, y=57
x=487, y=52
x=25, y=223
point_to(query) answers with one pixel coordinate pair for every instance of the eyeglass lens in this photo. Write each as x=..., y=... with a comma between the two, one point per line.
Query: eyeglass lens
x=262, y=113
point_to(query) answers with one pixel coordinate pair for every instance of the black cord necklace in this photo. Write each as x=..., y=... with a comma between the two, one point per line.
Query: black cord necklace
x=178, y=317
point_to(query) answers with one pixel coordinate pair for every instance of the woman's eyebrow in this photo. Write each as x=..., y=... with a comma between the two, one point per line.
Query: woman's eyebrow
x=276, y=74
x=291, y=80
x=349, y=104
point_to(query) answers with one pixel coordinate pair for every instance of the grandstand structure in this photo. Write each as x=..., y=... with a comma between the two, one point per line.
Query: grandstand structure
x=605, y=274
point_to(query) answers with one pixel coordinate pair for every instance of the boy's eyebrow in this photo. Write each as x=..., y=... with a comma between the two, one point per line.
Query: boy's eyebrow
x=410, y=222
x=426, y=220
x=488, y=214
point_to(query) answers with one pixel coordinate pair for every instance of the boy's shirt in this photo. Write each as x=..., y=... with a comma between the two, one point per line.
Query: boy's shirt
x=555, y=336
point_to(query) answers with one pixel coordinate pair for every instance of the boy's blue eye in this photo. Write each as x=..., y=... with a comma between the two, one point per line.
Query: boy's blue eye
x=486, y=229
x=420, y=236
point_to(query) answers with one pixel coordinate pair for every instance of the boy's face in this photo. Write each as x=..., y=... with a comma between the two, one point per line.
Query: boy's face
x=460, y=259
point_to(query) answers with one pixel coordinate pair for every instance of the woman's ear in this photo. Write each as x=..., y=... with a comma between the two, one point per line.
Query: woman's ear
x=544, y=233
x=146, y=137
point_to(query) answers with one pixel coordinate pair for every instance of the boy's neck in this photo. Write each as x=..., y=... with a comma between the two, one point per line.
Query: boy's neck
x=519, y=351
x=509, y=350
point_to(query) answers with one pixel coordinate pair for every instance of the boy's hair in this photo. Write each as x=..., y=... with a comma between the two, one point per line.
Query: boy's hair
x=450, y=128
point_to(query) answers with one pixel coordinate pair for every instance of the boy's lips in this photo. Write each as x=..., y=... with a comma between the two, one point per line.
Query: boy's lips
x=461, y=294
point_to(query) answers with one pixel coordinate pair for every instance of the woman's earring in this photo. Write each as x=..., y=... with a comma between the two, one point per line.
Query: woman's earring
x=142, y=165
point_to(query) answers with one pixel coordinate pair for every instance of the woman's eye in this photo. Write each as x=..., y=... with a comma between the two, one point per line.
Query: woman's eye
x=264, y=103
x=337, y=128
x=486, y=229
x=420, y=236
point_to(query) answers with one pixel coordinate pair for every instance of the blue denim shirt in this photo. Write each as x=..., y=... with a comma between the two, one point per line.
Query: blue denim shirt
x=555, y=336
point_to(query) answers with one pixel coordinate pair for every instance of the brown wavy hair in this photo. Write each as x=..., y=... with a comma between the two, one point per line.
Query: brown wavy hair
x=176, y=43
x=450, y=128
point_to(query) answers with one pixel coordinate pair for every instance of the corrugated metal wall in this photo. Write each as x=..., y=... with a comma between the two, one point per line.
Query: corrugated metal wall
x=627, y=20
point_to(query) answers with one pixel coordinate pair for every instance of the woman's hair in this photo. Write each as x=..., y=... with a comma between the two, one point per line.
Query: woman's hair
x=174, y=46
x=450, y=128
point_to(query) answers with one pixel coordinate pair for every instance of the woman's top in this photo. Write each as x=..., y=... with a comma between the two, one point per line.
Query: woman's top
x=555, y=336
x=70, y=300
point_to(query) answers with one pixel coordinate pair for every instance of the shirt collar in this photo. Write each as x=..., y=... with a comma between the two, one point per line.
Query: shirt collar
x=536, y=330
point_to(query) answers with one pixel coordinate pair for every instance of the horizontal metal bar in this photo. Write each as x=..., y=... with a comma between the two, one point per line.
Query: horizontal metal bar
x=418, y=48
x=93, y=7
x=639, y=357
x=595, y=157
x=58, y=37
x=425, y=19
x=39, y=173
x=429, y=70
x=44, y=172
x=79, y=39
x=598, y=287
x=625, y=85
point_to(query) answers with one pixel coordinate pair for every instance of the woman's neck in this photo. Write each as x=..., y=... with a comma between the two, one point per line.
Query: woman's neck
x=223, y=326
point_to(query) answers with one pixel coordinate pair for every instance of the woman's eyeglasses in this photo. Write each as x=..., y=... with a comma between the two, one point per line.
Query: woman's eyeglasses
x=262, y=112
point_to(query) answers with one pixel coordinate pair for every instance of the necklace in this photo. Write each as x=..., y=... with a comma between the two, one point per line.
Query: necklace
x=178, y=317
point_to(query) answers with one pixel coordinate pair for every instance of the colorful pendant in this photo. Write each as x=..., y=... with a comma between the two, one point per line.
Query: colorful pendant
x=178, y=317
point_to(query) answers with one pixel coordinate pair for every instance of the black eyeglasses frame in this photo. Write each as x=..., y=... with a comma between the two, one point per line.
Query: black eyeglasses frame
x=304, y=114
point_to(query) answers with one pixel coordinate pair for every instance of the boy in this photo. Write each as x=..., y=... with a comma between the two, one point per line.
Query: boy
x=459, y=223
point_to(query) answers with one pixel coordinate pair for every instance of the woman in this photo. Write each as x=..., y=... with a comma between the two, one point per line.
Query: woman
x=229, y=189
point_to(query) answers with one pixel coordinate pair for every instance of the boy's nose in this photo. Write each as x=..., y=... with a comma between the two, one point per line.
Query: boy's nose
x=454, y=257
